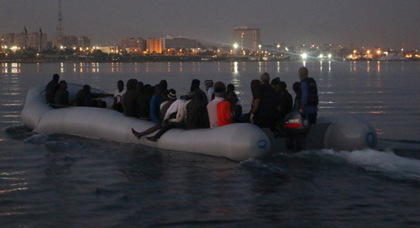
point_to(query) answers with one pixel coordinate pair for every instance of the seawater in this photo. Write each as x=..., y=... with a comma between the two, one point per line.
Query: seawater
x=66, y=181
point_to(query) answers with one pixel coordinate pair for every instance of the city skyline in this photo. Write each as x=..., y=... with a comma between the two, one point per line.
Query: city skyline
x=386, y=23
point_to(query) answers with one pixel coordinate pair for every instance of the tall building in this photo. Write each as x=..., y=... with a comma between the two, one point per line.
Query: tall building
x=65, y=41
x=8, y=40
x=36, y=41
x=33, y=40
x=248, y=39
x=179, y=43
x=83, y=42
x=154, y=46
x=133, y=45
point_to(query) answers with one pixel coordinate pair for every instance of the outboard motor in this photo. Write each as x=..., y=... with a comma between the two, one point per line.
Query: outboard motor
x=296, y=126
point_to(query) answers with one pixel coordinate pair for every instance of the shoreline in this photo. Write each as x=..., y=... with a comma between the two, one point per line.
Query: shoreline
x=37, y=61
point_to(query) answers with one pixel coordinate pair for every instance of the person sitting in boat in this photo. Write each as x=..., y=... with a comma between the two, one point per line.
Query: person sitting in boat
x=236, y=108
x=197, y=113
x=118, y=94
x=195, y=84
x=61, y=97
x=51, y=89
x=143, y=102
x=219, y=109
x=129, y=99
x=155, y=104
x=309, y=101
x=178, y=122
x=164, y=88
x=165, y=114
x=209, y=89
x=298, y=96
x=264, y=107
x=235, y=103
x=85, y=97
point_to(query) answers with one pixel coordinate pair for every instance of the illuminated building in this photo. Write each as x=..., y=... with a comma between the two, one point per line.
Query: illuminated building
x=83, y=42
x=112, y=49
x=247, y=38
x=133, y=45
x=65, y=41
x=154, y=46
x=36, y=41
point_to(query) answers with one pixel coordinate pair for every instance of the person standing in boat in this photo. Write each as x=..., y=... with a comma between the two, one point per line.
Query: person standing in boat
x=264, y=105
x=51, y=89
x=309, y=101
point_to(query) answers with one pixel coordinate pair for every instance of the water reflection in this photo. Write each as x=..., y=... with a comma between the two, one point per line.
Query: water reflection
x=278, y=67
x=368, y=66
x=378, y=67
x=62, y=67
x=235, y=68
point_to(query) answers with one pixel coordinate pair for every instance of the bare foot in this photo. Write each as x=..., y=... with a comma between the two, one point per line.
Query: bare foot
x=137, y=134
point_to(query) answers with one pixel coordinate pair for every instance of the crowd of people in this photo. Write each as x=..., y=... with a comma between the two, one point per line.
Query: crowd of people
x=217, y=106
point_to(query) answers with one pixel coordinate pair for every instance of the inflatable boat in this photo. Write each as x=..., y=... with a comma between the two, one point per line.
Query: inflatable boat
x=238, y=142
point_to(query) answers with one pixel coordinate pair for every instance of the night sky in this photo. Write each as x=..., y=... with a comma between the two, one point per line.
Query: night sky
x=384, y=23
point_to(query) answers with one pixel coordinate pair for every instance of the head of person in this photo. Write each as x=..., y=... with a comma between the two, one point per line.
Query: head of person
x=208, y=84
x=171, y=95
x=219, y=89
x=231, y=97
x=275, y=81
x=296, y=87
x=265, y=78
x=303, y=73
x=120, y=85
x=282, y=85
x=56, y=77
x=158, y=89
x=147, y=89
x=195, y=83
x=230, y=87
x=63, y=85
x=86, y=89
x=275, y=84
x=132, y=84
x=163, y=84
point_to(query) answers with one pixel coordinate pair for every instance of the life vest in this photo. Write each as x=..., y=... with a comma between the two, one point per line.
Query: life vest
x=312, y=91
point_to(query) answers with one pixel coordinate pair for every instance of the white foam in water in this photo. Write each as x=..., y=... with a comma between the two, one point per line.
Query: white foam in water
x=385, y=162
x=36, y=139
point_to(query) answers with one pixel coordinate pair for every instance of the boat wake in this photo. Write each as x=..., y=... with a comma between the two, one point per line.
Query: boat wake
x=386, y=163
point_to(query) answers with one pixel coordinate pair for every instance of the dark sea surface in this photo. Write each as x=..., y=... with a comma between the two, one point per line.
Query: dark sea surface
x=67, y=181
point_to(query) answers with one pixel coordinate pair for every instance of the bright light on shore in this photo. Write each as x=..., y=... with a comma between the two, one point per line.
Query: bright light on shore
x=235, y=45
x=304, y=56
